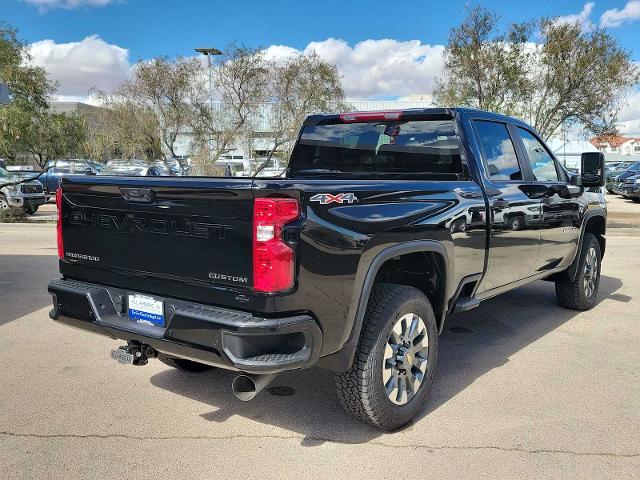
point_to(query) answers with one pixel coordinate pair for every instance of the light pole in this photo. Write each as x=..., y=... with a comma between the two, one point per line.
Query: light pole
x=209, y=52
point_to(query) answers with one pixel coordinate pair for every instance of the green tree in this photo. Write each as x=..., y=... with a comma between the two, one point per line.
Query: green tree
x=581, y=77
x=240, y=88
x=26, y=124
x=47, y=135
x=568, y=76
x=129, y=129
x=29, y=86
x=485, y=68
x=300, y=86
x=146, y=114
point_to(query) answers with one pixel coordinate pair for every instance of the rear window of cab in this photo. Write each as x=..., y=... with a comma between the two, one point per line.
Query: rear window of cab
x=386, y=148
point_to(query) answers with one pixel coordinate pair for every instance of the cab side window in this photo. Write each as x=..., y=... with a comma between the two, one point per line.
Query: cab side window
x=542, y=163
x=498, y=151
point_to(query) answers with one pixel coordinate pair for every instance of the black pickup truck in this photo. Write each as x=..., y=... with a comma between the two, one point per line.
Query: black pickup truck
x=385, y=223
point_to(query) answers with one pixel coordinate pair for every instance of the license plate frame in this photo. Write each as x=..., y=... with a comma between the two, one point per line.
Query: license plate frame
x=145, y=309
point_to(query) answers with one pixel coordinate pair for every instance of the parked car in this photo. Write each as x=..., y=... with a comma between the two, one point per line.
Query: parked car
x=174, y=164
x=27, y=196
x=134, y=168
x=621, y=166
x=274, y=168
x=611, y=172
x=383, y=225
x=617, y=182
x=631, y=187
x=56, y=169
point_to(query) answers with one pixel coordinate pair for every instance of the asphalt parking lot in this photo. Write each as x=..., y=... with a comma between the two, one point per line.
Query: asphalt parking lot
x=524, y=389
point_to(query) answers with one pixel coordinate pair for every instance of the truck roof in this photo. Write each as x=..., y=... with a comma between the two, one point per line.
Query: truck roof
x=435, y=111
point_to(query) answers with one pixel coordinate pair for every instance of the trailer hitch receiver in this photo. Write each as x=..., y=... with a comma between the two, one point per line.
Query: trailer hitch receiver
x=134, y=353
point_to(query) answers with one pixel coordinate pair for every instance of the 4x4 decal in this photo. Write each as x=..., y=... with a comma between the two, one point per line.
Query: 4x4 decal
x=325, y=198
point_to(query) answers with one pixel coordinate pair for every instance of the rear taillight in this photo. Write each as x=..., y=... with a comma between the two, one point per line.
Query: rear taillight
x=273, y=258
x=59, y=226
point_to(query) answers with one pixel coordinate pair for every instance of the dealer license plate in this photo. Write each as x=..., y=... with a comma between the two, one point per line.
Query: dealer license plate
x=145, y=309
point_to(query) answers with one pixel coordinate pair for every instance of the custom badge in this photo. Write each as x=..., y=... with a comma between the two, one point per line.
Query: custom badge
x=325, y=198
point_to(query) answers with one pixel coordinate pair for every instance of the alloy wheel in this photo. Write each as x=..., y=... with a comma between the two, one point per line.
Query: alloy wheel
x=405, y=358
x=590, y=272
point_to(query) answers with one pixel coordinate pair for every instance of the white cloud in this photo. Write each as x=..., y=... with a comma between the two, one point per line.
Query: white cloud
x=280, y=52
x=44, y=5
x=377, y=68
x=582, y=18
x=371, y=69
x=79, y=66
x=616, y=17
x=629, y=120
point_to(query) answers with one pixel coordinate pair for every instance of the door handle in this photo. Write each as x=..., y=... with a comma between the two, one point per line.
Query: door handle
x=138, y=195
x=500, y=203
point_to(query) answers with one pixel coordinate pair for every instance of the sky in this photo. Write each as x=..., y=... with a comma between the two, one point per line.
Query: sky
x=382, y=49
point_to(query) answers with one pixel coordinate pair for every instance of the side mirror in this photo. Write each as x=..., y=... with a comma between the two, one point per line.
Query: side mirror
x=592, y=171
x=88, y=171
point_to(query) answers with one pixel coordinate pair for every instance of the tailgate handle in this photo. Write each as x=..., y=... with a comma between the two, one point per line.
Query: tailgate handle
x=138, y=195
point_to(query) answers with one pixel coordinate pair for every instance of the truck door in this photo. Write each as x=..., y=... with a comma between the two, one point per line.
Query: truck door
x=514, y=214
x=560, y=225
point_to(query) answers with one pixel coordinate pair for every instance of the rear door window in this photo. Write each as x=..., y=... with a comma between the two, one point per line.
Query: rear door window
x=388, y=147
x=498, y=151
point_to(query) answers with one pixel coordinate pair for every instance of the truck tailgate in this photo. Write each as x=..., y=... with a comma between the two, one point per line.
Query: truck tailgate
x=175, y=236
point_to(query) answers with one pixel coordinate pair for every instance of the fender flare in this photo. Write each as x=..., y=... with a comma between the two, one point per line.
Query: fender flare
x=359, y=308
x=572, y=271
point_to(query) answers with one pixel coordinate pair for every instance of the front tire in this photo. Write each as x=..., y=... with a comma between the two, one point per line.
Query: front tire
x=395, y=361
x=183, y=364
x=516, y=223
x=581, y=292
x=4, y=203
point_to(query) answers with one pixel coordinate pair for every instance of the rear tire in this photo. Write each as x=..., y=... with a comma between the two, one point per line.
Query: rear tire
x=182, y=364
x=581, y=293
x=392, y=371
x=516, y=223
x=636, y=199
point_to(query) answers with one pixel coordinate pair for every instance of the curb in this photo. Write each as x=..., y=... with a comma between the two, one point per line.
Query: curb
x=43, y=219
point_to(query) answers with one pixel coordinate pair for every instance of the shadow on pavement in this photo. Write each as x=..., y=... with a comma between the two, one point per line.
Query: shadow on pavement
x=475, y=342
x=472, y=344
x=23, y=284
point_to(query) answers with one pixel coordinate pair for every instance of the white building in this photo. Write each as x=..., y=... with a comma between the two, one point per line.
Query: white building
x=568, y=152
x=617, y=144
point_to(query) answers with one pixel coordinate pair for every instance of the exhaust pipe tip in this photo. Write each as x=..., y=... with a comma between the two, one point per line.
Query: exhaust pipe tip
x=246, y=387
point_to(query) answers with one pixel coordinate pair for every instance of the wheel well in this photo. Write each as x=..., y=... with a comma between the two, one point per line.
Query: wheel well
x=597, y=225
x=422, y=270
